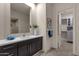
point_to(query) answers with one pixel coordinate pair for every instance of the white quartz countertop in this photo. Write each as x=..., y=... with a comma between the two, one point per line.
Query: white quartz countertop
x=18, y=39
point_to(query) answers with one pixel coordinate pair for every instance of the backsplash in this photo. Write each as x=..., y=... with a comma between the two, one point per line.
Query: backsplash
x=1, y=37
x=21, y=34
x=17, y=35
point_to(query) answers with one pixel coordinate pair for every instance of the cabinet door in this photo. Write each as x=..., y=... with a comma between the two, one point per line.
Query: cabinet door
x=29, y=47
x=8, y=50
x=38, y=44
x=35, y=45
x=22, y=49
x=32, y=46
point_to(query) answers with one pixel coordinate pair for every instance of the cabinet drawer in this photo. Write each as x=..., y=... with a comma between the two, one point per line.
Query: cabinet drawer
x=8, y=50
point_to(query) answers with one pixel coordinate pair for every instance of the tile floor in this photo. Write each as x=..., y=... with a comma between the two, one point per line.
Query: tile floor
x=64, y=50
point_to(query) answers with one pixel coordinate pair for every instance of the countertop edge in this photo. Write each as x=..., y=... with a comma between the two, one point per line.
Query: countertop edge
x=7, y=42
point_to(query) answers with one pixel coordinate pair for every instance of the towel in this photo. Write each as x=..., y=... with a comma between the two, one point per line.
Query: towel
x=50, y=33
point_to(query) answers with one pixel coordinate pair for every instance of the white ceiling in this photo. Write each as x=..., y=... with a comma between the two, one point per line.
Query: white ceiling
x=20, y=7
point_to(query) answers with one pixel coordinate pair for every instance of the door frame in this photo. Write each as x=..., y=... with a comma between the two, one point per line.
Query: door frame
x=59, y=34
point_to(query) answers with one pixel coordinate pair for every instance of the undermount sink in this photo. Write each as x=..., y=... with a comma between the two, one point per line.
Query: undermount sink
x=27, y=36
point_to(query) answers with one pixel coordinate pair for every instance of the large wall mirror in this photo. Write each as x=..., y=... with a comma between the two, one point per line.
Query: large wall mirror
x=20, y=18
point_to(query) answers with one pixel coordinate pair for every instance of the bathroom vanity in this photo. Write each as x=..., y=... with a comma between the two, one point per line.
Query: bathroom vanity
x=21, y=46
x=18, y=24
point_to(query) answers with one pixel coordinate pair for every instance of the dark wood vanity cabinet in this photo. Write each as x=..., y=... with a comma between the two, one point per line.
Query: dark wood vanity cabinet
x=23, y=48
x=29, y=47
x=9, y=50
x=35, y=45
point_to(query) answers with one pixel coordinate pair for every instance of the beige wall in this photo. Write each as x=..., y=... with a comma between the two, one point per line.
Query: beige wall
x=55, y=9
x=44, y=12
x=4, y=19
x=41, y=21
x=77, y=29
x=1, y=21
x=49, y=15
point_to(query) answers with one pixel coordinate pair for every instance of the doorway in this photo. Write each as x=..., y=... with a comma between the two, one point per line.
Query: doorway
x=65, y=29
